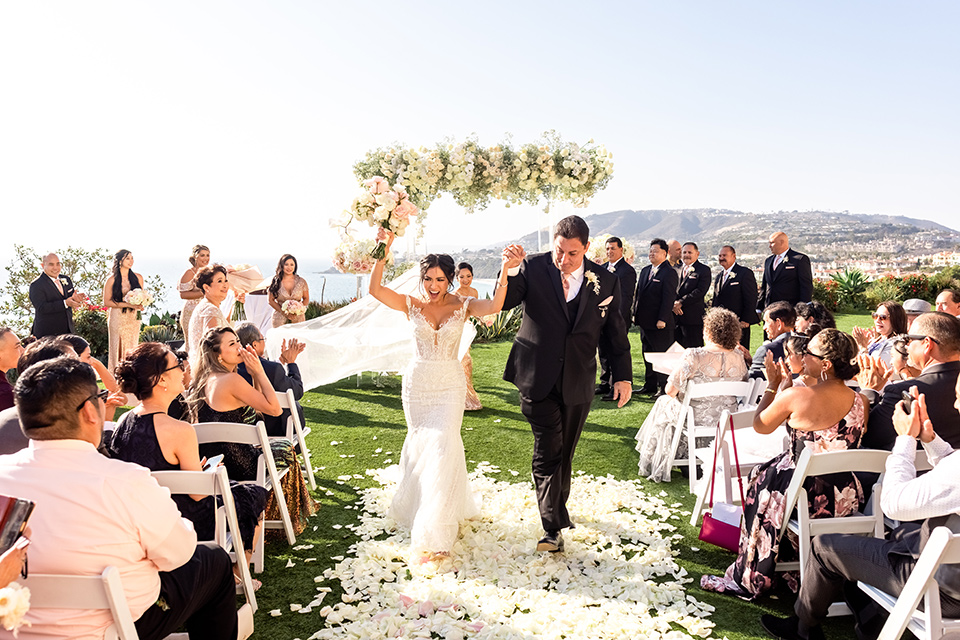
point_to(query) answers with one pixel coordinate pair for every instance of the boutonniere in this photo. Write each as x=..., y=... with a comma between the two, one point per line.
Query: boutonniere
x=593, y=280
x=62, y=279
x=603, y=306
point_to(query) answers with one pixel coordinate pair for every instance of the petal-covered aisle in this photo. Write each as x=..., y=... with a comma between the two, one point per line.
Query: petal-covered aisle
x=616, y=579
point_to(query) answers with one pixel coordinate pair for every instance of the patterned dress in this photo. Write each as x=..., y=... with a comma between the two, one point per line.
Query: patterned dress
x=188, y=307
x=433, y=496
x=834, y=495
x=198, y=323
x=299, y=287
x=656, y=434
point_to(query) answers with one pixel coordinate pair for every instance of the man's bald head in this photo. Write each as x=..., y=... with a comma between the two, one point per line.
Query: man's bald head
x=779, y=243
x=51, y=265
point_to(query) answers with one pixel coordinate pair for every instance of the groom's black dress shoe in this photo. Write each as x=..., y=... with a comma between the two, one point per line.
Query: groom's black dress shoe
x=788, y=628
x=552, y=541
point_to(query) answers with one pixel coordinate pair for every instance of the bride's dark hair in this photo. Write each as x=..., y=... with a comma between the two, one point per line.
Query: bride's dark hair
x=117, y=292
x=441, y=260
x=274, y=287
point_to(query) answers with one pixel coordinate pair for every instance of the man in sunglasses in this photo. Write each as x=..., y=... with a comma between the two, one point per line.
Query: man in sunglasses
x=93, y=512
x=934, y=349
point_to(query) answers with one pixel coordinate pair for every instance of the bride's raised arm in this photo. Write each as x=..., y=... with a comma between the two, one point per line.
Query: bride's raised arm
x=508, y=260
x=384, y=294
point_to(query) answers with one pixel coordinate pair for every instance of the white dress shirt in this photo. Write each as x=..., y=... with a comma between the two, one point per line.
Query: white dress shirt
x=936, y=493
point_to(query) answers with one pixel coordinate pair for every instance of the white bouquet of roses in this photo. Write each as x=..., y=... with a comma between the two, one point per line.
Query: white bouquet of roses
x=14, y=604
x=380, y=205
x=293, y=308
x=138, y=297
x=354, y=256
x=242, y=278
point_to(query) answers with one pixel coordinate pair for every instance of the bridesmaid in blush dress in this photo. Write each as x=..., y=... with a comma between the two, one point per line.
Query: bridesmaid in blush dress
x=287, y=285
x=123, y=322
x=465, y=290
x=189, y=293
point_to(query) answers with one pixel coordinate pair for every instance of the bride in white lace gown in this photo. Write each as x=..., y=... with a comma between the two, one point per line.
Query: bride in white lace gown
x=433, y=496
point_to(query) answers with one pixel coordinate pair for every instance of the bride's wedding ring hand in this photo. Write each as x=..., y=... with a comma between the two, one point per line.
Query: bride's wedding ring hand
x=385, y=236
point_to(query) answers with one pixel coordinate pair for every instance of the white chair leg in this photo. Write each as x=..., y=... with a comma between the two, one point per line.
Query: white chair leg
x=306, y=460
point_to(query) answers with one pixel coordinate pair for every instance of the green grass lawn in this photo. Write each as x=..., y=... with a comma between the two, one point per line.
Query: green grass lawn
x=366, y=416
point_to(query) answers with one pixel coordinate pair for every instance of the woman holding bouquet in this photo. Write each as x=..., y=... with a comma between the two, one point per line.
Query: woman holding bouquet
x=199, y=258
x=123, y=321
x=212, y=281
x=288, y=293
x=433, y=495
x=465, y=290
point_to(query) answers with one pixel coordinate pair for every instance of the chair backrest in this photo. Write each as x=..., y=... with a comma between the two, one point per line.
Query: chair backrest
x=817, y=464
x=286, y=399
x=105, y=591
x=737, y=388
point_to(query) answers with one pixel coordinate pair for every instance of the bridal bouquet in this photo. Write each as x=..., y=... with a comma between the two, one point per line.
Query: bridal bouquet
x=14, y=604
x=293, y=308
x=242, y=279
x=380, y=205
x=354, y=256
x=138, y=297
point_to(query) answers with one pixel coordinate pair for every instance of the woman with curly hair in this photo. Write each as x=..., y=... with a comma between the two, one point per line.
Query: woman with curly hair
x=719, y=359
x=287, y=285
x=828, y=416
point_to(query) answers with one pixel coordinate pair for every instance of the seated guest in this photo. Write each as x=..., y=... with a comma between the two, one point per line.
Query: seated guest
x=900, y=360
x=914, y=307
x=838, y=561
x=814, y=312
x=934, y=349
x=281, y=380
x=147, y=436
x=93, y=512
x=889, y=320
x=948, y=301
x=793, y=351
x=178, y=408
x=117, y=398
x=718, y=360
x=778, y=321
x=10, y=351
x=12, y=438
x=827, y=416
x=219, y=394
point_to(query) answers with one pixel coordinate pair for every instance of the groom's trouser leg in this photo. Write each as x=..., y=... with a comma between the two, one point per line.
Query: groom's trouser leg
x=556, y=430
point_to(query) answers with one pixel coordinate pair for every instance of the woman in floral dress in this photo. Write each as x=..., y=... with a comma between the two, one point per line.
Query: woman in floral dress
x=828, y=416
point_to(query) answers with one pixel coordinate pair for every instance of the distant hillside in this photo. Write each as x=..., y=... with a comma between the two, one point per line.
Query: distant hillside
x=824, y=235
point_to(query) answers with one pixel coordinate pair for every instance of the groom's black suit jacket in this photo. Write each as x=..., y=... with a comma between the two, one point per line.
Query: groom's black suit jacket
x=53, y=317
x=552, y=341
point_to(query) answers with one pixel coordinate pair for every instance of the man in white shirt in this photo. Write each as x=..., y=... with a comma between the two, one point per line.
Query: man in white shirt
x=93, y=512
x=839, y=559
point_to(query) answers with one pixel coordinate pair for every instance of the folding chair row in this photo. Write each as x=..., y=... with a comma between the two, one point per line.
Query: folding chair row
x=297, y=432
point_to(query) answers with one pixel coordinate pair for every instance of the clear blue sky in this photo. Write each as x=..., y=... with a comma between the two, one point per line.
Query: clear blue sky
x=155, y=125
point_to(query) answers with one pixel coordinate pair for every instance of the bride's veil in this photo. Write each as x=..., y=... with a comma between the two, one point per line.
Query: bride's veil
x=363, y=336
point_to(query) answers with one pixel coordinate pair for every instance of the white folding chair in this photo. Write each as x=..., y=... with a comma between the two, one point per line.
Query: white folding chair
x=227, y=532
x=296, y=430
x=105, y=591
x=686, y=421
x=817, y=464
x=748, y=453
x=943, y=547
x=267, y=475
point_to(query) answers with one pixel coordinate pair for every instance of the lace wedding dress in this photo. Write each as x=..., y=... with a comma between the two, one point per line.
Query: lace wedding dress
x=433, y=495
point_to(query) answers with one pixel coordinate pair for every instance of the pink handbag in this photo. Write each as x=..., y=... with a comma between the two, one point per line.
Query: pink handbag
x=717, y=532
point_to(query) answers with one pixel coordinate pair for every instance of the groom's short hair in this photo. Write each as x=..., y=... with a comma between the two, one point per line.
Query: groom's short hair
x=573, y=228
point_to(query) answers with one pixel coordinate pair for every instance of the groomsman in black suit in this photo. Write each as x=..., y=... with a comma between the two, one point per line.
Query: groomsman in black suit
x=568, y=303
x=689, y=306
x=54, y=299
x=787, y=274
x=735, y=289
x=627, y=276
x=656, y=293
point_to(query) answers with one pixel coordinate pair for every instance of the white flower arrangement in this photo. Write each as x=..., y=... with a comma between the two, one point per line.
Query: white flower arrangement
x=380, y=205
x=293, y=308
x=617, y=579
x=598, y=249
x=354, y=256
x=14, y=604
x=594, y=281
x=138, y=297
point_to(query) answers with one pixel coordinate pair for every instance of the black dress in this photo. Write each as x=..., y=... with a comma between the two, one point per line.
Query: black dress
x=135, y=440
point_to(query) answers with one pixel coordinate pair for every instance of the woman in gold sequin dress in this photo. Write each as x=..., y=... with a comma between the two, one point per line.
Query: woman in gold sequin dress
x=123, y=321
x=199, y=258
x=466, y=290
x=287, y=285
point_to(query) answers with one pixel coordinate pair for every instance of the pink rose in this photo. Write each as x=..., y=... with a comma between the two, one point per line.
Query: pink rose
x=405, y=209
x=377, y=184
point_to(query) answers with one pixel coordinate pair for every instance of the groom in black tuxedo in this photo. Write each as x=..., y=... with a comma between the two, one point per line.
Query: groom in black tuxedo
x=568, y=303
x=54, y=299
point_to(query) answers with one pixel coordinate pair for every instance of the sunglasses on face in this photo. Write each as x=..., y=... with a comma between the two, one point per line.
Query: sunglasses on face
x=910, y=337
x=806, y=352
x=101, y=394
x=180, y=365
x=880, y=316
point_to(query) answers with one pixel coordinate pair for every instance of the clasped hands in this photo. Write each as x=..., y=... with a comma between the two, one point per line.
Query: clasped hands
x=512, y=255
x=915, y=424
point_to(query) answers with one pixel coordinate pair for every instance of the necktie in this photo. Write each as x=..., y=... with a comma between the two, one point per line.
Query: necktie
x=56, y=281
x=564, y=280
x=776, y=261
x=611, y=269
x=684, y=272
